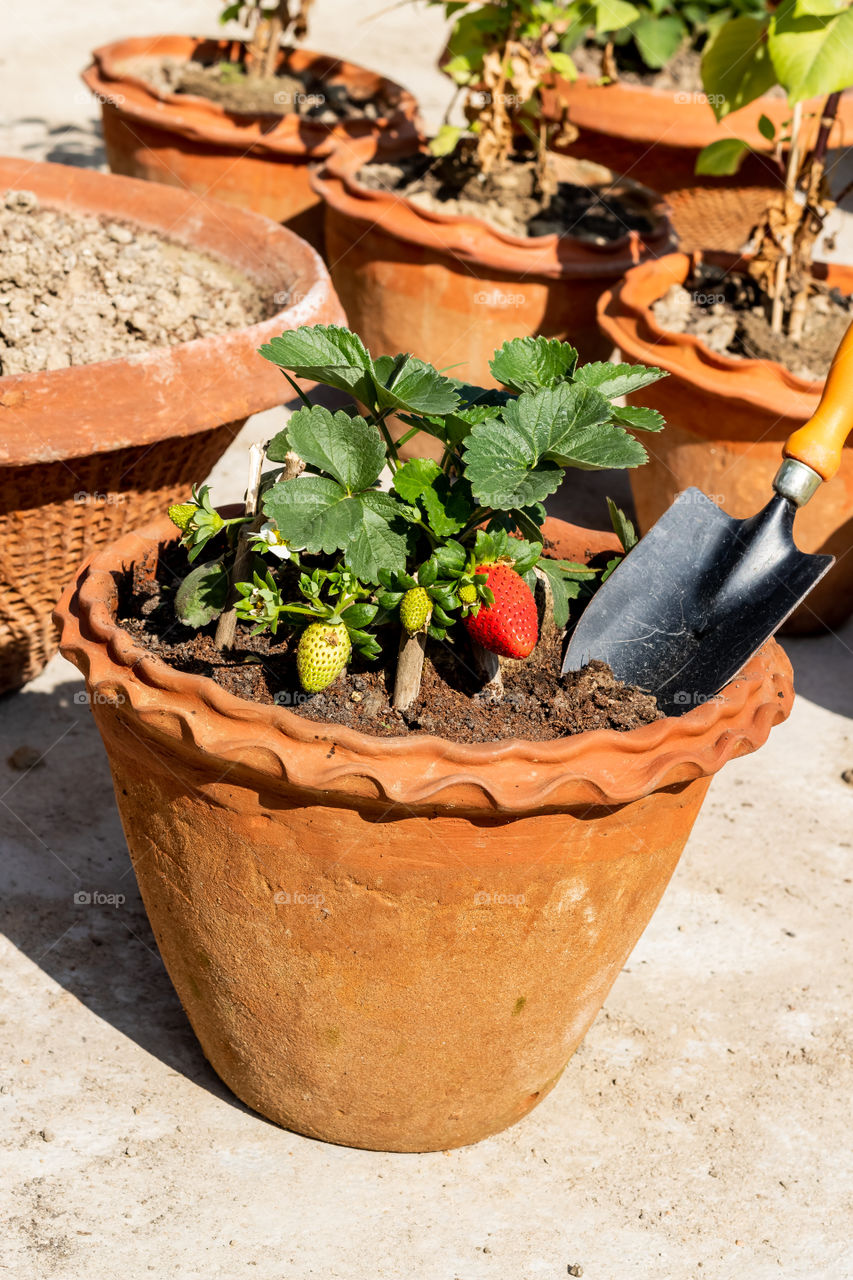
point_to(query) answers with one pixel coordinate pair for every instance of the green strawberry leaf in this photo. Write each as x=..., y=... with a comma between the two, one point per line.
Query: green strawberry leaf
x=407, y=384
x=563, y=588
x=328, y=354
x=414, y=477
x=348, y=449
x=526, y=364
x=448, y=506
x=202, y=595
x=622, y=526
x=617, y=379
x=313, y=513
x=639, y=417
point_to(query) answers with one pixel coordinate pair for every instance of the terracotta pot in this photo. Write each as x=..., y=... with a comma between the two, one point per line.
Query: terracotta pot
x=655, y=136
x=88, y=452
x=391, y=943
x=727, y=420
x=453, y=289
x=259, y=162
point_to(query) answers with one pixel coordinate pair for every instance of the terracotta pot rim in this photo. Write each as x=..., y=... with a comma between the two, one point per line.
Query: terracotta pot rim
x=473, y=239
x=200, y=118
x=213, y=380
x=625, y=316
x=597, y=768
x=648, y=114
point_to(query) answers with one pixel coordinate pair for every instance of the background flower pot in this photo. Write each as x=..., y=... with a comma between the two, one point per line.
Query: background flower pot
x=391, y=943
x=88, y=452
x=255, y=161
x=727, y=420
x=454, y=289
x=656, y=135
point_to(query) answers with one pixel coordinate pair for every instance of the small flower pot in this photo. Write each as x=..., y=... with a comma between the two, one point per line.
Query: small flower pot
x=90, y=451
x=655, y=136
x=259, y=162
x=727, y=419
x=391, y=943
x=453, y=288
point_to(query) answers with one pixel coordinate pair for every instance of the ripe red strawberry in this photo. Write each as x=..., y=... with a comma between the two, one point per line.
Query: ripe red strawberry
x=508, y=627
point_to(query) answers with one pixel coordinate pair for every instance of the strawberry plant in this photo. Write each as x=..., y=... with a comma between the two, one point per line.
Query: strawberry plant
x=353, y=549
x=806, y=48
x=268, y=25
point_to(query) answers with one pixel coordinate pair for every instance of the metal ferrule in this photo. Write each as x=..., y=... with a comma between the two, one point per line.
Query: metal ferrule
x=797, y=482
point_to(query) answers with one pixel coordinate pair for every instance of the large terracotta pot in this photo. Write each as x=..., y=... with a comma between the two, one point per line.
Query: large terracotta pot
x=655, y=136
x=727, y=419
x=259, y=162
x=391, y=943
x=88, y=452
x=454, y=289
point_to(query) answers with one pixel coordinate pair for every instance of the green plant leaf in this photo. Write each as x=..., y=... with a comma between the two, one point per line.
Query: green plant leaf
x=563, y=589
x=658, y=38
x=202, y=595
x=414, y=477
x=314, y=513
x=639, y=417
x=328, y=354
x=736, y=69
x=448, y=506
x=375, y=543
x=622, y=526
x=349, y=449
x=610, y=15
x=525, y=364
x=812, y=54
x=445, y=140
x=722, y=157
x=562, y=64
x=766, y=128
x=618, y=379
x=410, y=385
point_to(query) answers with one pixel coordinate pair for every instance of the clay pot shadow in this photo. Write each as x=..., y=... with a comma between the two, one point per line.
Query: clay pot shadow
x=68, y=896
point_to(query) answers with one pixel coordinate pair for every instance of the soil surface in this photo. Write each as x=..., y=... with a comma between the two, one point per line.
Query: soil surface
x=74, y=290
x=286, y=93
x=538, y=704
x=683, y=71
x=510, y=199
x=727, y=312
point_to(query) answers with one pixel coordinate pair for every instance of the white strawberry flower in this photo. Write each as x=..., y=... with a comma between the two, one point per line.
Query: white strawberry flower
x=274, y=543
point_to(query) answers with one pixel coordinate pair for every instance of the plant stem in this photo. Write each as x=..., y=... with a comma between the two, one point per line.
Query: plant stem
x=410, y=665
x=791, y=170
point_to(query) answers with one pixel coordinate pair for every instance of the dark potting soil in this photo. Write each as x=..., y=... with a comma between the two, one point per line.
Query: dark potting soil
x=75, y=289
x=509, y=199
x=682, y=72
x=728, y=313
x=538, y=704
x=286, y=93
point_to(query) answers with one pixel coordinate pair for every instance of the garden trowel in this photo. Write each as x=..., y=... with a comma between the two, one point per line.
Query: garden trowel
x=701, y=592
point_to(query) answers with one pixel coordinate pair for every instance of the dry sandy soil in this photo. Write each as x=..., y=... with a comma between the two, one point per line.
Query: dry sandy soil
x=703, y=1128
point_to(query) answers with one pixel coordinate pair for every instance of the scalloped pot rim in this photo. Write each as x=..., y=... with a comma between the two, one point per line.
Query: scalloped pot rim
x=191, y=713
x=474, y=239
x=636, y=111
x=625, y=316
x=138, y=399
x=196, y=116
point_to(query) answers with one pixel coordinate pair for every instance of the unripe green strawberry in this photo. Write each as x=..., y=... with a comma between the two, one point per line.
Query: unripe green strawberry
x=323, y=652
x=468, y=593
x=415, y=610
x=510, y=626
x=182, y=513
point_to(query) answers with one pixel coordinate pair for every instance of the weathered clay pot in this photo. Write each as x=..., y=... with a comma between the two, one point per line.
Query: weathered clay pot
x=88, y=452
x=656, y=135
x=259, y=162
x=453, y=288
x=391, y=943
x=727, y=420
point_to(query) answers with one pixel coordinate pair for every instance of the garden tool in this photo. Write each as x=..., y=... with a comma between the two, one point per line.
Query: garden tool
x=702, y=592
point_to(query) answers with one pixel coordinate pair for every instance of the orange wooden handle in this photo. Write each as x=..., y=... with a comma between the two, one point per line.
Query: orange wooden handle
x=819, y=443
